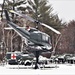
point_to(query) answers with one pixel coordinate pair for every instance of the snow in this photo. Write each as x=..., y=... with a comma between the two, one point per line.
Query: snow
x=60, y=69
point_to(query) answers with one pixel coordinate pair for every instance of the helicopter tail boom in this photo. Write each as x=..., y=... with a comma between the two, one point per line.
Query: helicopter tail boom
x=20, y=31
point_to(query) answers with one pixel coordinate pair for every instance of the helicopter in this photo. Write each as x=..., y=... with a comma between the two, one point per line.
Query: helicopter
x=41, y=41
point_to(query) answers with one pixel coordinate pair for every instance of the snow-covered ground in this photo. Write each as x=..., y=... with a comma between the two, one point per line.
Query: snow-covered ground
x=60, y=69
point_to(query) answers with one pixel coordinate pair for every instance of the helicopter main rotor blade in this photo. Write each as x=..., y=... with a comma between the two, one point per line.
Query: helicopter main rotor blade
x=33, y=20
x=22, y=15
x=49, y=27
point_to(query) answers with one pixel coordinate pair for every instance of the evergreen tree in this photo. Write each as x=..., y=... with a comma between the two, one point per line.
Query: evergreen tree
x=42, y=12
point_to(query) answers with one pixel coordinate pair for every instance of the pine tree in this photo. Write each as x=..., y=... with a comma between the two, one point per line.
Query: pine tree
x=42, y=12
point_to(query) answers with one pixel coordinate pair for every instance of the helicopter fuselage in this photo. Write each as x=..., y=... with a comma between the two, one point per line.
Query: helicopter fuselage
x=35, y=36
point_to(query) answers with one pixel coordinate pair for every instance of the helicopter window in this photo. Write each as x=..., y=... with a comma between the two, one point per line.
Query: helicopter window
x=45, y=38
x=49, y=41
x=36, y=36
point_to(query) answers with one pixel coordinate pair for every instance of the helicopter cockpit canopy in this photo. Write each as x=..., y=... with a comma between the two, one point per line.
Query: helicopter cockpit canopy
x=40, y=37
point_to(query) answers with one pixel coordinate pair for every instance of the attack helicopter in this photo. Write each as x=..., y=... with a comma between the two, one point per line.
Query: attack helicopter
x=41, y=41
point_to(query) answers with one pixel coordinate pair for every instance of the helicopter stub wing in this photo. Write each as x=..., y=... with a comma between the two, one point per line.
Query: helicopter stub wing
x=33, y=20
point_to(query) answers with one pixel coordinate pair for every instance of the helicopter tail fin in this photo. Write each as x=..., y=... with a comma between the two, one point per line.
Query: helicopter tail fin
x=7, y=15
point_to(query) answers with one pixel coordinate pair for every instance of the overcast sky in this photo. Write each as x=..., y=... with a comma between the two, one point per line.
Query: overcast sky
x=64, y=8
